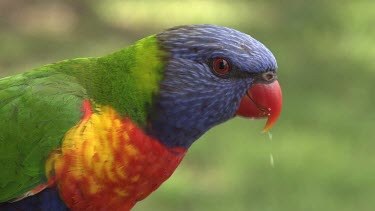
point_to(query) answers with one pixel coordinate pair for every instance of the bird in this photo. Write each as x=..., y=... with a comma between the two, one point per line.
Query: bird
x=102, y=133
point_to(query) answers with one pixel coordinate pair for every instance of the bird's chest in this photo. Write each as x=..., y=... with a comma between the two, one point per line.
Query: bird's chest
x=107, y=163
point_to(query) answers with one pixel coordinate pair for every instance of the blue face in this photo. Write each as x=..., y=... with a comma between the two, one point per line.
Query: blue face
x=209, y=69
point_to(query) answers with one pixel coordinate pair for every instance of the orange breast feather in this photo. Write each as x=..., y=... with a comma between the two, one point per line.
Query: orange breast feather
x=108, y=163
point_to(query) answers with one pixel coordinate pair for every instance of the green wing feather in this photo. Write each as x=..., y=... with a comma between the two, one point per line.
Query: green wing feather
x=36, y=110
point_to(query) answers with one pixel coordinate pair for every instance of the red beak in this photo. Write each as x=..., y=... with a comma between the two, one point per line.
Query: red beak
x=262, y=101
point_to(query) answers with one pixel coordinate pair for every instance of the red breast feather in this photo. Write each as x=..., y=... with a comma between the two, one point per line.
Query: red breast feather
x=108, y=163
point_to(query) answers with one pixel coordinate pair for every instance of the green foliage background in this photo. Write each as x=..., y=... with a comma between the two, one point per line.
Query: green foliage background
x=323, y=146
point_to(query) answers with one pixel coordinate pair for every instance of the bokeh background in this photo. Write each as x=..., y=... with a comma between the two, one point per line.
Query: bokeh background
x=323, y=146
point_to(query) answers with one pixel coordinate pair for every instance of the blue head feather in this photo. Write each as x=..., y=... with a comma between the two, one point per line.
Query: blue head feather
x=192, y=98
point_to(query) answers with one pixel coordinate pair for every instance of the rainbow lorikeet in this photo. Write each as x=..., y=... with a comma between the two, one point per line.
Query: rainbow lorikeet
x=103, y=133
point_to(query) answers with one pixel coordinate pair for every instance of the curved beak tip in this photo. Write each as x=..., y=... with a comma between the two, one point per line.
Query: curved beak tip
x=269, y=124
x=262, y=101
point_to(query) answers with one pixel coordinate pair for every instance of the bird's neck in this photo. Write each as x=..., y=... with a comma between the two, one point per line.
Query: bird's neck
x=171, y=135
x=126, y=80
x=129, y=81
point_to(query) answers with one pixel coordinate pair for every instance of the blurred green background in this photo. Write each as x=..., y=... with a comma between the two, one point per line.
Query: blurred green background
x=323, y=146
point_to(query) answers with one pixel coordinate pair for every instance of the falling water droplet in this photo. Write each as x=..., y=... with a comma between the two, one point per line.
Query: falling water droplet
x=272, y=162
x=269, y=135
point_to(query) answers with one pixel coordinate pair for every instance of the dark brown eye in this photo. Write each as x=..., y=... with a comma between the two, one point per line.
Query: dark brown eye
x=221, y=66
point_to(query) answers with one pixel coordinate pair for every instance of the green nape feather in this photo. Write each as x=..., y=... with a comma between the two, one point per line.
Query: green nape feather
x=128, y=79
x=37, y=108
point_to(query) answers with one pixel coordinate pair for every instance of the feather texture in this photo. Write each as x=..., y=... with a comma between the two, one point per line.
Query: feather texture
x=37, y=108
x=108, y=163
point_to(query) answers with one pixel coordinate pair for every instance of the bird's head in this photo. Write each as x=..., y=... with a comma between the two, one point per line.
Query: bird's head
x=212, y=74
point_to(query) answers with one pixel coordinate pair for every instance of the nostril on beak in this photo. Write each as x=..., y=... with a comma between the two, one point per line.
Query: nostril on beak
x=269, y=76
